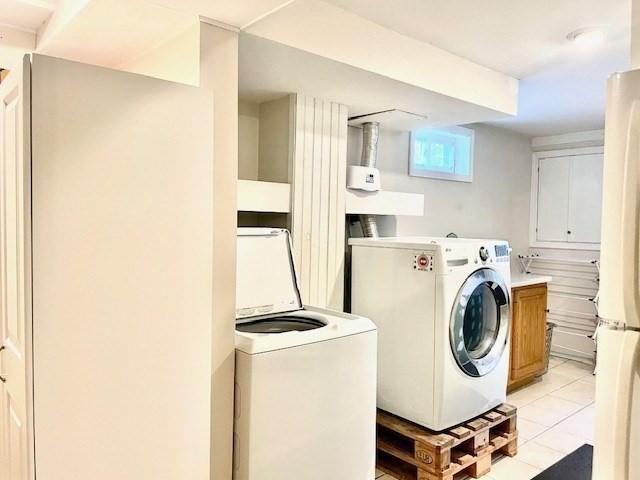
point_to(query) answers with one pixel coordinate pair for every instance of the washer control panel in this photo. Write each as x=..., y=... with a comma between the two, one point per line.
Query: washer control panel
x=502, y=251
x=423, y=262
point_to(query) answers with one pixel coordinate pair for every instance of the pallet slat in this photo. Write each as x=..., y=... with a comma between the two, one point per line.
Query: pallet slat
x=396, y=452
x=506, y=409
x=412, y=430
x=460, y=432
x=477, y=424
x=493, y=416
x=413, y=452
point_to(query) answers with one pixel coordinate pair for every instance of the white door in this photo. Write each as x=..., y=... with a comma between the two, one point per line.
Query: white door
x=553, y=201
x=585, y=198
x=15, y=276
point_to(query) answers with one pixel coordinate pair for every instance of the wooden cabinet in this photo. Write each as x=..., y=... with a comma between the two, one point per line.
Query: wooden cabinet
x=528, y=331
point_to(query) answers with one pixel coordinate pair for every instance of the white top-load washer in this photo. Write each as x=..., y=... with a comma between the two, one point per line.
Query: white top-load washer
x=305, y=405
x=442, y=309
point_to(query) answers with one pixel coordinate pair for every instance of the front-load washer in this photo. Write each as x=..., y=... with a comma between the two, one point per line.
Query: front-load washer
x=305, y=393
x=442, y=309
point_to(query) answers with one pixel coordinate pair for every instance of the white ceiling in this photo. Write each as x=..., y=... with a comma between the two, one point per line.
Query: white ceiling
x=19, y=20
x=111, y=32
x=114, y=32
x=269, y=70
x=25, y=14
x=563, y=86
x=237, y=13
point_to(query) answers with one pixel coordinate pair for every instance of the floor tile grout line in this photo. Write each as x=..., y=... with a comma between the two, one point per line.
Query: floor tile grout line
x=552, y=391
x=582, y=407
x=558, y=423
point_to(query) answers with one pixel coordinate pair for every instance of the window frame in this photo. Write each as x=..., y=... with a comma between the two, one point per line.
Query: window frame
x=416, y=172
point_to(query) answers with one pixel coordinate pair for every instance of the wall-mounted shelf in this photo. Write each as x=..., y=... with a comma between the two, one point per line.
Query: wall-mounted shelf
x=384, y=203
x=256, y=196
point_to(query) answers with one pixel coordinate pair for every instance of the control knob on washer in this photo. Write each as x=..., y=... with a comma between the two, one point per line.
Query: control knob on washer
x=484, y=254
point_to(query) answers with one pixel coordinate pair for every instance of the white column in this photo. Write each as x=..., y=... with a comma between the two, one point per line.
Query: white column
x=635, y=34
x=219, y=73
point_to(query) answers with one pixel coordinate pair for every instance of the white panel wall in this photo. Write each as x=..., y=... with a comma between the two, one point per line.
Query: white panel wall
x=318, y=176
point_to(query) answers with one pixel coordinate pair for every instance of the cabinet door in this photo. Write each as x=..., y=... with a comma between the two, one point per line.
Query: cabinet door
x=553, y=199
x=585, y=199
x=528, y=332
x=16, y=439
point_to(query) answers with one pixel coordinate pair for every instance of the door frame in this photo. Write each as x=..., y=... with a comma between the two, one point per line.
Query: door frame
x=533, y=209
x=22, y=77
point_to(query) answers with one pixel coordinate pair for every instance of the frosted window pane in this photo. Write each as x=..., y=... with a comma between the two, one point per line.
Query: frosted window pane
x=442, y=153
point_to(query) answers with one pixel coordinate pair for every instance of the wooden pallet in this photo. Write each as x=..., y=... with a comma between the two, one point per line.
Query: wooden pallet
x=411, y=452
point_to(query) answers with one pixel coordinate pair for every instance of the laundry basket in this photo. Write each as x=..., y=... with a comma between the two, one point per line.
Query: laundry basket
x=549, y=337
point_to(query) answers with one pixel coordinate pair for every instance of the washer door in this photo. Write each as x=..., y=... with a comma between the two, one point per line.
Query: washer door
x=480, y=322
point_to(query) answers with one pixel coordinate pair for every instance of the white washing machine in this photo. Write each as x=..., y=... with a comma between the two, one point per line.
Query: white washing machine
x=305, y=405
x=442, y=308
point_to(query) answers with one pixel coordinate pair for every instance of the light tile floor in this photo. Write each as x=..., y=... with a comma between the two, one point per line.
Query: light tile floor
x=555, y=416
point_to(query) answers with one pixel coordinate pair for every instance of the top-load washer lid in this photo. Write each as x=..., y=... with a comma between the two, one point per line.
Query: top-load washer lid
x=266, y=281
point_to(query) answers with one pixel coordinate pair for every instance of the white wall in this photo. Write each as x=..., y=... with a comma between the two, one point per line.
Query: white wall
x=635, y=34
x=177, y=59
x=248, y=135
x=494, y=205
x=264, y=136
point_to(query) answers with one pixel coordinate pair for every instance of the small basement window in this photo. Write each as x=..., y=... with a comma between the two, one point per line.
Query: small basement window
x=444, y=153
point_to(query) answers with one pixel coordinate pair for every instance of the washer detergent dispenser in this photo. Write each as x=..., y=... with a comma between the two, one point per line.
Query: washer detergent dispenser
x=305, y=376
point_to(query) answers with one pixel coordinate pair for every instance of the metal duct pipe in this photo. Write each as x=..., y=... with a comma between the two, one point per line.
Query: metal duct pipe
x=370, y=133
x=369, y=226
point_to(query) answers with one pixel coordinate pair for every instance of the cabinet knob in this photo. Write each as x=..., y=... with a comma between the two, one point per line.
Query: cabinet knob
x=569, y=232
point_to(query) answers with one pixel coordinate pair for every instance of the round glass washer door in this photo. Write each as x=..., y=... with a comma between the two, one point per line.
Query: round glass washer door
x=480, y=322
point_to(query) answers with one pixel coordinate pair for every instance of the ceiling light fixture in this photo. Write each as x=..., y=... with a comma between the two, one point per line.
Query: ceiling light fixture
x=587, y=37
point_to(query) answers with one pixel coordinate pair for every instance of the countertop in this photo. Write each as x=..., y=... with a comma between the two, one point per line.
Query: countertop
x=519, y=279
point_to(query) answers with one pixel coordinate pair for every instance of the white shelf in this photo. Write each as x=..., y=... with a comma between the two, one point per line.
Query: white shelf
x=256, y=196
x=384, y=203
x=393, y=119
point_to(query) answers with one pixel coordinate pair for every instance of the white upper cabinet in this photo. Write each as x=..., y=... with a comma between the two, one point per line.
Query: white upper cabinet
x=585, y=199
x=567, y=198
x=553, y=204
